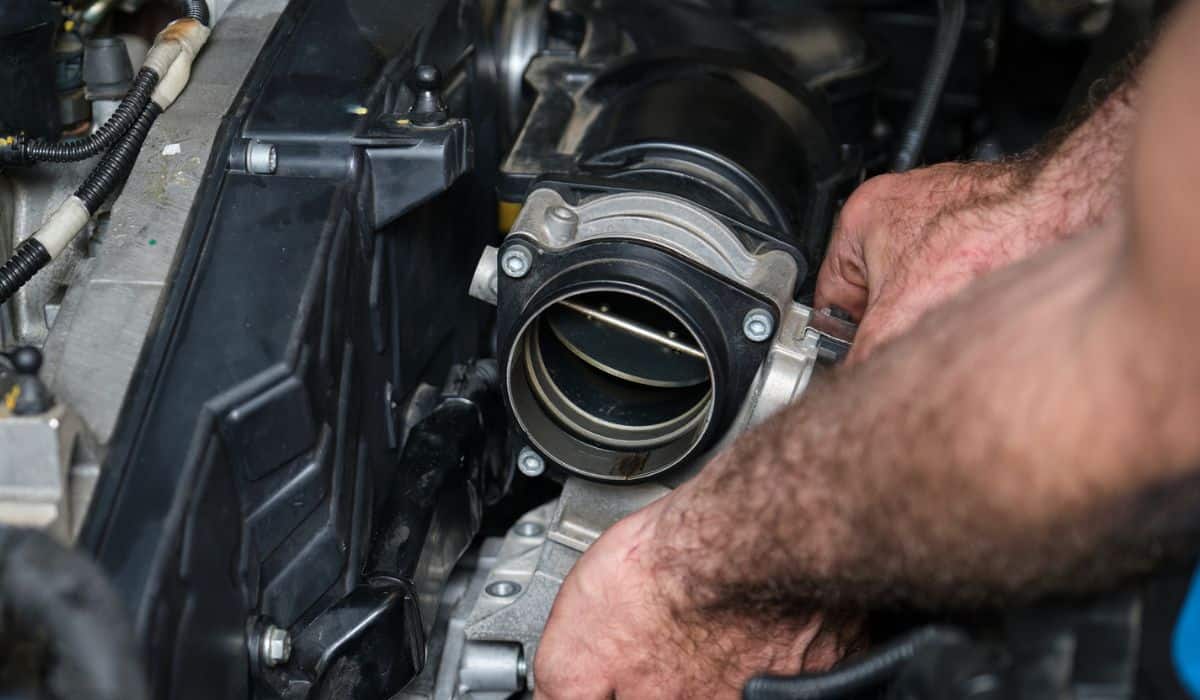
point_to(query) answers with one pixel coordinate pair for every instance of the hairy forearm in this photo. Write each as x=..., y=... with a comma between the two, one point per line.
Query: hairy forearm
x=1068, y=185
x=1034, y=435
x=1005, y=446
x=1073, y=183
x=906, y=243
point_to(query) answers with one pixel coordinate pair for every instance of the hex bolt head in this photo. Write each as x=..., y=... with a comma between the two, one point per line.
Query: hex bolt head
x=516, y=261
x=503, y=589
x=276, y=646
x=530, y=463
x=262, y=158
x=758, y=325
x=561, y=224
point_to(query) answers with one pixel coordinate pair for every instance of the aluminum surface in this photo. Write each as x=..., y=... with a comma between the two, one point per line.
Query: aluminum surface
x=536, y=554
x=666, y=222
x=522, y=34
x=46, y=467
x=92, y=308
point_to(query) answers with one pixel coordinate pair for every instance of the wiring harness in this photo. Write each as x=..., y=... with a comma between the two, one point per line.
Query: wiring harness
x=158, y=84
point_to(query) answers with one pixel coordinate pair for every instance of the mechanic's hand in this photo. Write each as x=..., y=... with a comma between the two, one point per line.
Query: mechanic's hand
x=625, y=626
x=904, y=243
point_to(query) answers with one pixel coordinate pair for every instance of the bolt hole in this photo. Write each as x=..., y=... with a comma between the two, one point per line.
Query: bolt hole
x=529, y=529
x=503, y=589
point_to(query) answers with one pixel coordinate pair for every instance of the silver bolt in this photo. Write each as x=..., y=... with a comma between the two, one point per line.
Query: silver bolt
x=503, y=589
x=758, y=325
x=561, y=223
x=516, y=261
x=530, y=463
x=276, y=646
x=528, y=529
x=262, y=158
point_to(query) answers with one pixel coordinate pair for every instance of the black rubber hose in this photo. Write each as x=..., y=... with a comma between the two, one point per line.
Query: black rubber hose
x=135, y=101
x=29, y=257
x=116, y=165
x=58, y=605
x=858, y=676
x=197, y=10
x=952, y=15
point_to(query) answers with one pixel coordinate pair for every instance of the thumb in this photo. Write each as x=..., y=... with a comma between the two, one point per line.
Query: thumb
x=842, y=280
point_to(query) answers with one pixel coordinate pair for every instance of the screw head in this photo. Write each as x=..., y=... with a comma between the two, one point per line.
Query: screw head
x=561, y=223
x=503, y=589
x=262, y=158
x=276, y=646
x=758, y=325
x=530, y=463
x=516, y=261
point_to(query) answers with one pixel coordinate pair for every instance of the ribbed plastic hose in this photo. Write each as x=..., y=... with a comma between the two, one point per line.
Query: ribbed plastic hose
x=197, y=10
x=125, y=137
x=952, y=15
x=31, y=256
x=27, y=152
x=135, y=101
x=116, y=165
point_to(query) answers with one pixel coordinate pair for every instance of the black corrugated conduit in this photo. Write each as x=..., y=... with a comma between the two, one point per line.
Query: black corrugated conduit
x=168, y=66
x=197, y=10
x=115, y=166
x=952, y=15
x=29, y=151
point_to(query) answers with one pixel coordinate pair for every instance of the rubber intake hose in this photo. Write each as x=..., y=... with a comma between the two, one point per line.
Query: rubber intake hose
x=57, y=603
x=858, y=676
x=952, y=15
x=24, y=152
x=116, y=165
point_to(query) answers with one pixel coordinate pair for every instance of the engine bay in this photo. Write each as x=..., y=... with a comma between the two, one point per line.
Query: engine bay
x=401, y=305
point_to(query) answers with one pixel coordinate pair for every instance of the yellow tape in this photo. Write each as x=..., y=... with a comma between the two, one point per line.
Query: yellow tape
x=507, y=215
x=10, y=399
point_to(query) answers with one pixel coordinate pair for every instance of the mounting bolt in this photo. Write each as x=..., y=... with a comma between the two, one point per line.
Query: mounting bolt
x=516, y=261
x=561, y=224
x=758, y=325
x=276, y=646
x=530, y=463
x=262, y=158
